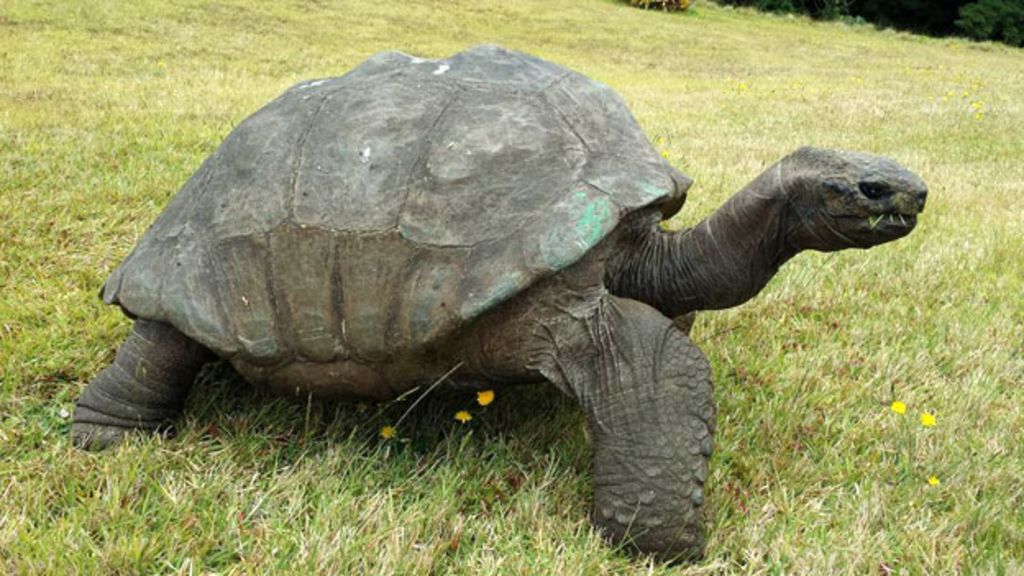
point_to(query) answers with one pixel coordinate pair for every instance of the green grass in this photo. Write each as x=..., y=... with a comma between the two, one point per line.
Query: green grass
x=106, y=108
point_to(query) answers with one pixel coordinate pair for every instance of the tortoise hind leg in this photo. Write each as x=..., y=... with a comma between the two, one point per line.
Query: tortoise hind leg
x=144, y=389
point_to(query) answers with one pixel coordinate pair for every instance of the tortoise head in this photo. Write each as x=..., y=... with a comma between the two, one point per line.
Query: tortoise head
x=849, y=199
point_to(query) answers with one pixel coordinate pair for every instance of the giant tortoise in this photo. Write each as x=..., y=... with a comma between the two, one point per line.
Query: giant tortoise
x=492, y=212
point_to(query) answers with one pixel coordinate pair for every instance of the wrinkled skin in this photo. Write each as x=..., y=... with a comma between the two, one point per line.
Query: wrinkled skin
x=811, y=200
x=602, y=332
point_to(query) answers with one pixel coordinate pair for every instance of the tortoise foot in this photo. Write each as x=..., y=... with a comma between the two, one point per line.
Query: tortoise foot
x=96, y=437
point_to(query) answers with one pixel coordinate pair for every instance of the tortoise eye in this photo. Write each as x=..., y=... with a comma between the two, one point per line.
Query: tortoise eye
x=874, y=190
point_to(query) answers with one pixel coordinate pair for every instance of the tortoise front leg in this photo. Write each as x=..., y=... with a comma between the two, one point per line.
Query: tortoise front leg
x=144, y=389
x=646, y=390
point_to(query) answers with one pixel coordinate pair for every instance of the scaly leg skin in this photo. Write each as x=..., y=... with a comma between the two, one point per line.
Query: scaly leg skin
x=144, y=389
x=647, y=392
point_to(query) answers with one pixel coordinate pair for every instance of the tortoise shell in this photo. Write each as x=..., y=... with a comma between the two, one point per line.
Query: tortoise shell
x=382, y=210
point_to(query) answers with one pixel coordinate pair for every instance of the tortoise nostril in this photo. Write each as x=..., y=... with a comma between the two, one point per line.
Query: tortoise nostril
x=874, y=190
x=921, y=195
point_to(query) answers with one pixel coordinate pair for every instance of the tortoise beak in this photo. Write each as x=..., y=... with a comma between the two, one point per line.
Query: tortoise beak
x=888, y=201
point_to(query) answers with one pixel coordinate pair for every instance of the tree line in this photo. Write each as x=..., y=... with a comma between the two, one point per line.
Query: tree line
x=1001, y=20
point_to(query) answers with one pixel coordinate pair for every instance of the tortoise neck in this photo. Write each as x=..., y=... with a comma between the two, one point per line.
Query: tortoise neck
x=722, y=262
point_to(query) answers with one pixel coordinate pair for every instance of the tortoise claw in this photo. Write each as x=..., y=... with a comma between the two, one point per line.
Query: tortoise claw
x=96, y=437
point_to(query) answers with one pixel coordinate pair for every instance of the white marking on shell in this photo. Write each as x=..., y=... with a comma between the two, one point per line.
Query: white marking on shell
x=442, y=69
x=416, y=60
x=312, y=84
x=364, y=156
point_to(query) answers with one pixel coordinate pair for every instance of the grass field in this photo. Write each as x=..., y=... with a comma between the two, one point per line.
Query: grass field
x=106, y=108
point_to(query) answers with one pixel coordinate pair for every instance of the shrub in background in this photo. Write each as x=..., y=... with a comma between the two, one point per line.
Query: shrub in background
x=825, y=9
x=670, y=5
x=927, y=16
x=994, y=20
x=1001, y=20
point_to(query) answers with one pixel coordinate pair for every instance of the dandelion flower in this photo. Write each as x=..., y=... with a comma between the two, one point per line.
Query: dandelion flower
x=927, y=419
x=387, y=432
x=933, y=480
x=485, y=397
x=898, y=407
x=463, y=416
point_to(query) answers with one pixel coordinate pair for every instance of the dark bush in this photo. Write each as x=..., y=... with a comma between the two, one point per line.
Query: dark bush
x=994, y=20
x=980, y=19
x=816, y=8
x=927, y=16
x=670, y=5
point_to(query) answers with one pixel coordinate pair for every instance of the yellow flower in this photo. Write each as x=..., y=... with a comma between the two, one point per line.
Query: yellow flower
x=927, y=419
x=898, y=407
x=742, y=86
x=463, y=416
x=387, y=432
x=933, y=480
x=485, y=397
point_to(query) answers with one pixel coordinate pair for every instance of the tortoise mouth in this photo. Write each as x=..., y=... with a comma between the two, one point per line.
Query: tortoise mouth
x=892, y=221
x=878, y=228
